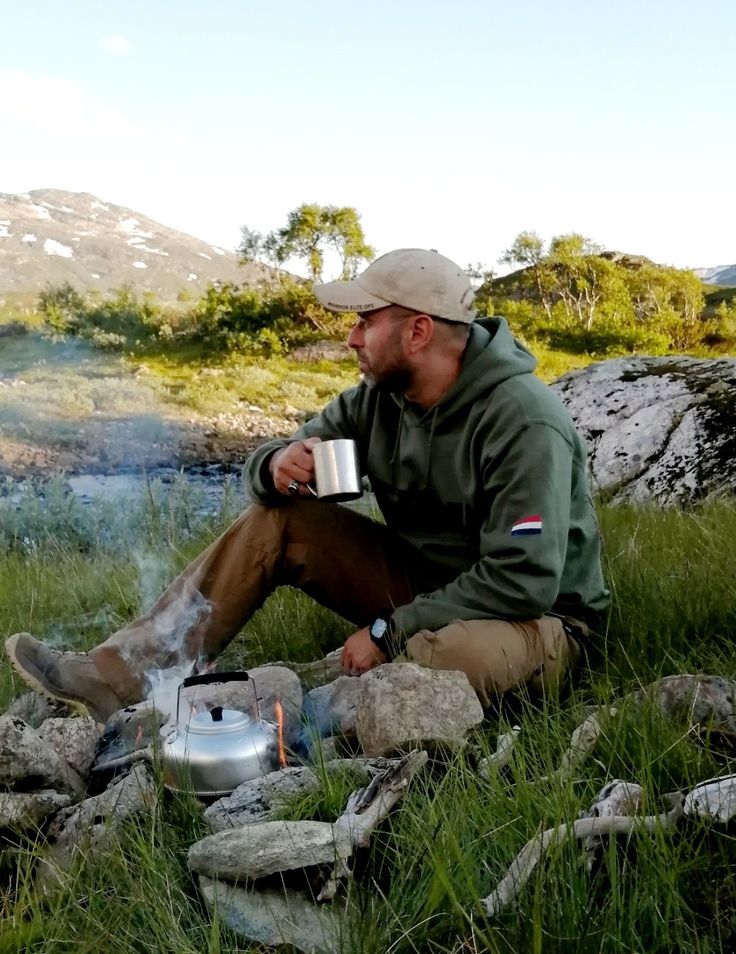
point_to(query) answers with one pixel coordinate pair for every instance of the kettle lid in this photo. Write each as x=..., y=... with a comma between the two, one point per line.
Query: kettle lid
x=216, y=720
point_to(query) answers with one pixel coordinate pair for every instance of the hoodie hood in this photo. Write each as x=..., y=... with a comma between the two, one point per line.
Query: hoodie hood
x=492, y=355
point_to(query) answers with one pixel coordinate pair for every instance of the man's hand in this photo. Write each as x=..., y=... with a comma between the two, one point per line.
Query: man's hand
x=360, y=653
x=293, y=465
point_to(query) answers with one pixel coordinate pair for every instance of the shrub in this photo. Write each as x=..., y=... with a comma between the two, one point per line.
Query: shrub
x=62, y=307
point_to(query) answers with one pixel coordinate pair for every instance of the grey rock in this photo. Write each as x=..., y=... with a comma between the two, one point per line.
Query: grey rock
x=255, y=851
x=134, y=793
x=258, y=799
x=88, y=829
x=657, y=429
x=73, y=739
x=331, y=709
x=693, y=700
x=33, y=708
x=403, y=705
x=714, y=799
x=28, y=761
x=23, y=811
x=275, y=918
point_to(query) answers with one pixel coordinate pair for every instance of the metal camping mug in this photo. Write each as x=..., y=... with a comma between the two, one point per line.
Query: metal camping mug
x=336, y=471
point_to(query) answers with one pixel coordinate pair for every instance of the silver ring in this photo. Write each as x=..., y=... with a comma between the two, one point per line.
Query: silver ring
x=293, y=487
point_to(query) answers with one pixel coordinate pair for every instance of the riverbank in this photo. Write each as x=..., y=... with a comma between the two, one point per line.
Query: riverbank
x=66, y=408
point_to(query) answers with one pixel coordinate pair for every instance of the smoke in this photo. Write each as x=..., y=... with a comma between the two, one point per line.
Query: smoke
x=162, y=688
x=153, y=571
x=173, y=626
x=65, y=405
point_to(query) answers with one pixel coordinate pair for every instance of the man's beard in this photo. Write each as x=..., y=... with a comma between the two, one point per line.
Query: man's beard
x=391, y=381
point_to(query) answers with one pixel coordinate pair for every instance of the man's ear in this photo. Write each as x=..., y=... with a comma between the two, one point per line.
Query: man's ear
x=422, y=332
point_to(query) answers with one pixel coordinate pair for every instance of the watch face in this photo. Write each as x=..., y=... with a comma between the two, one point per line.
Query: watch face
x=378, y=629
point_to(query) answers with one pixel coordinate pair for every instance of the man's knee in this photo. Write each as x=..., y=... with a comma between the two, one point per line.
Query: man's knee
x=498, y=656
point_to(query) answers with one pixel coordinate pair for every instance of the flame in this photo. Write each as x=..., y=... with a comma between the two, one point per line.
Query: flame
x=279, y=713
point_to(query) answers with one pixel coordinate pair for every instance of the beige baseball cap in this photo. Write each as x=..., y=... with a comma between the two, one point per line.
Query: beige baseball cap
x=416, y=278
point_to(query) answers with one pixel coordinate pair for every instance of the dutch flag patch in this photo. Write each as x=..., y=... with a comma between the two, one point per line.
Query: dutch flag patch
x=527, y=525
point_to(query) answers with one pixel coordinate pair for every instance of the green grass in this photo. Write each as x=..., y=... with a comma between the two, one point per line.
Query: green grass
x=453, y=836
x=226, y=381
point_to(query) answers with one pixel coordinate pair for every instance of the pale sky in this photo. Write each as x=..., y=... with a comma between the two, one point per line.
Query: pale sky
x=452, y=125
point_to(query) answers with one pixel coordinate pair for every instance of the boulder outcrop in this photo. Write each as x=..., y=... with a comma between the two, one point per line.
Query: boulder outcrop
x=658, y=429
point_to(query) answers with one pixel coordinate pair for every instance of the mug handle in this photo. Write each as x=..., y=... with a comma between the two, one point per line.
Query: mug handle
x=311, y=489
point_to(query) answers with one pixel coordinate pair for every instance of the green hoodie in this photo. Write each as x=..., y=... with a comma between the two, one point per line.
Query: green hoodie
x=488, y=488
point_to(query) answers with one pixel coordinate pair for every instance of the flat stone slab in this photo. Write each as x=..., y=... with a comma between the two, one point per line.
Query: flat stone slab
x=255, y=851
x=255, y=800
x=277, y=917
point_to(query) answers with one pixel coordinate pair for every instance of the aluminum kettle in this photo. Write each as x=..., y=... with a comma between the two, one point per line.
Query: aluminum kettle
x=211, y=751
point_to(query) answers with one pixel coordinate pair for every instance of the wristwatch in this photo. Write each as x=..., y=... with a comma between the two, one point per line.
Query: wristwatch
x=381, y=633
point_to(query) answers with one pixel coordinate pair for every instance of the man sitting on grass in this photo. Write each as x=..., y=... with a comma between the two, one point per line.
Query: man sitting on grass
x=489, y=559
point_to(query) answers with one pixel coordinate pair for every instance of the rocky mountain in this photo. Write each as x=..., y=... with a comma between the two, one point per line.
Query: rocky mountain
x=720, y=275
x=49, y=236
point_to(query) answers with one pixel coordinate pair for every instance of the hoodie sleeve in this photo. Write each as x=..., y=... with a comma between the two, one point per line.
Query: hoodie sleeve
x=338, y=419
x=523, y=539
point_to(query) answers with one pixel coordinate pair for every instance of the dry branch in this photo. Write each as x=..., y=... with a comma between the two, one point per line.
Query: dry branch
x=525, y=862
x=502, y=756
x=583, y=740
x=367, y=808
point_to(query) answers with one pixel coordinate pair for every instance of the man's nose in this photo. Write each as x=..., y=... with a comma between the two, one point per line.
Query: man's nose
x=354, y=338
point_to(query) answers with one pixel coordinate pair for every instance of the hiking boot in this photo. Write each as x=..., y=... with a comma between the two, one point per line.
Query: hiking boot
x=71, y=678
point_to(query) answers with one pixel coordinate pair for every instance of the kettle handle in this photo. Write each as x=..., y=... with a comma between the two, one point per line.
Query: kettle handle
x=206, y=679
x=215, y=677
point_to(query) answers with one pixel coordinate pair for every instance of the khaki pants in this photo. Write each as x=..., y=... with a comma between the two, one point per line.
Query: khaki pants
x=345, y=561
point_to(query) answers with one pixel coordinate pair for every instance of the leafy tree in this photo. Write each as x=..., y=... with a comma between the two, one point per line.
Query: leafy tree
x=581, y=278
x=479, y=273
x=345, y=236
x=670, y=300
x=527, y=252
x=574, y=294
x=62, y=306
x=310, y=231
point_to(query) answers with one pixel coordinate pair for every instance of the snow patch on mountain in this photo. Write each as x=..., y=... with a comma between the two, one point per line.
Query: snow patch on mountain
x=51, y=236
x=52, y=247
